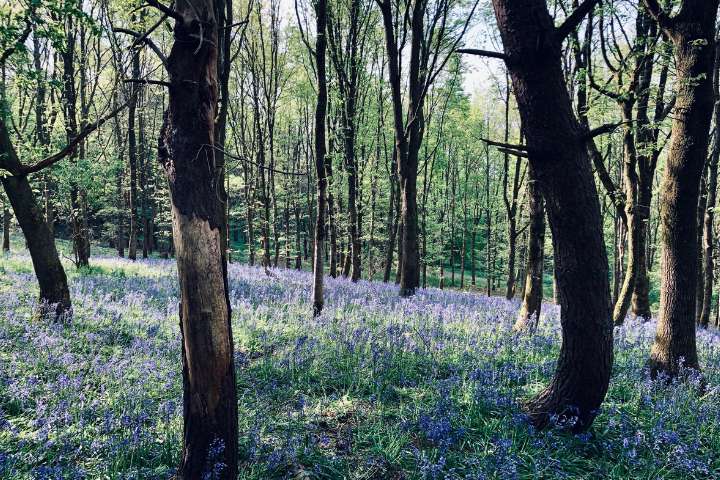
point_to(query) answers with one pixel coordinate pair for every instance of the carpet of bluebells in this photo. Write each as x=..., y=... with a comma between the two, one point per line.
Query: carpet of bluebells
x=375, y=388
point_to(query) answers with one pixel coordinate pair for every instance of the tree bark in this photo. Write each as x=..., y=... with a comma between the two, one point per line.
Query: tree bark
x=692, y=34
x=709, y=218
x=187, y=154
x=557, y=154
x=529, y=314
x=321, y=159
x=49, y=271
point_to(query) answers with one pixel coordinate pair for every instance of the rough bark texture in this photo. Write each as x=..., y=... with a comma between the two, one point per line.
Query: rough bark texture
x=187, y=154
x=320, y=155
x=692, y=34
x=529, y=314
x=46, y=261
x=557, y=153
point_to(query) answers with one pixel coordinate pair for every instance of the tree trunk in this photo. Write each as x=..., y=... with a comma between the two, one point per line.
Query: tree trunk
x=6, y=229
x=557, y=154
x=133, y=160
x=49, y=271
x=321, y=158
x=529, y=314
x=692, y=33
x=187, y=153
x=709, y=219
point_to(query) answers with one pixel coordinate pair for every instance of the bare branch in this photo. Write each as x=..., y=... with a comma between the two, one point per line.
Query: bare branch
x=510, y=146
x=574, y=19
x=144, y=81
x=143, y=38
x=70, y=147
x=483, y=53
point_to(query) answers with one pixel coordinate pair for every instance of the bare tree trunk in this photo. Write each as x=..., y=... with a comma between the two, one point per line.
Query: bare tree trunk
x=49, y=271
x=709, y=218
x=557, y=153
x=692, y=32
x=6, y=229
x=133, y=160
x=187, y=153
x=529, y=314
x=321, y=158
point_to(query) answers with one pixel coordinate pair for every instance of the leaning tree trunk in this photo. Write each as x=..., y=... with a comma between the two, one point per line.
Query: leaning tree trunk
x=557, y=153
x=187, y=153
x=709, y=220
x=692, y=32
x=529, y=314
x=320, y=156
x=40, y=242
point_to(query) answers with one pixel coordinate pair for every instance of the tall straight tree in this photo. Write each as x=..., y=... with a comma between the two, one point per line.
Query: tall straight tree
x=347, y=36
x=709, y=214
x=321, y=159
x=433, y=34
x=186, y=151
x=692, y=32
x=559, y=159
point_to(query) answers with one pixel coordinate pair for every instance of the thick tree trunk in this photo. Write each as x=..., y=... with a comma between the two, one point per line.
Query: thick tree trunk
x=46, y=261
x=187, y=153
x=692, y=33
x=557, y=153
x=529, y=314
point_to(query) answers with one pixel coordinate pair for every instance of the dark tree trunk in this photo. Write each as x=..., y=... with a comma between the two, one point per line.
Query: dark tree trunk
x=187, y=153
x=529, y=314
x=709, y=218
x=133, y=160
x=46, y=261
x=557, y=153
x=6, y=230
x=321, y=158
x=692, y=32
x=81, y=242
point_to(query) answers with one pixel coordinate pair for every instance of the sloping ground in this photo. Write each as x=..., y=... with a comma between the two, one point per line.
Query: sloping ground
x=377, y=387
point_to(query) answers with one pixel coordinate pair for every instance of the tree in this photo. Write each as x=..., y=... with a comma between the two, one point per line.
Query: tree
x=320, y=154
x=430, y=48
x=708, y=242
x=692, y=33
x=529, y=314
x=558, y=157
x=187, y=153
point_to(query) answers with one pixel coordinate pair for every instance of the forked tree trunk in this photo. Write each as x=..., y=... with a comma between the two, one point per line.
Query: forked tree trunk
x=557, y=153
x=186, y=152
x=320, y=155
x=692, y=32
x=529, y=314
x=46, y=261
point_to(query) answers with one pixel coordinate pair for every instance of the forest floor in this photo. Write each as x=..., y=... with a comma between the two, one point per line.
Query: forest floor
x=376, y=388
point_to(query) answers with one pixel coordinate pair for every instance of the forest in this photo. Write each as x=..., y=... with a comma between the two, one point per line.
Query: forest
x=359, y=239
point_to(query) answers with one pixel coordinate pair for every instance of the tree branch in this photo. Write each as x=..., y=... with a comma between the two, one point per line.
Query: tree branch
x=144, y=81
x=510, y=151
x=574, y=19
x=510, y=146
x=21, y=39
x=70, y=147
x=660, y=15
x=483, y=53
x=143, y=38
x=165, y=9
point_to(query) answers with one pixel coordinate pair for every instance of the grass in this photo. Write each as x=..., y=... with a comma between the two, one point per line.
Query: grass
x=375, y=388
